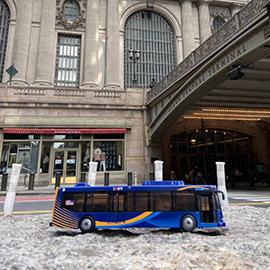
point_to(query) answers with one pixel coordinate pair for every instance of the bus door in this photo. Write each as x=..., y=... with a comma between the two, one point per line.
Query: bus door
x=207, y=206
x=116, y=207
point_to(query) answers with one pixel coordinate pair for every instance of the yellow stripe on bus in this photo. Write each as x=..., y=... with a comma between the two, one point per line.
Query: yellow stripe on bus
x=184, y=188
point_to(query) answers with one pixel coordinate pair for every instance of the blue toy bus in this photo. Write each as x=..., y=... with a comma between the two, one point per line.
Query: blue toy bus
x=154, y=204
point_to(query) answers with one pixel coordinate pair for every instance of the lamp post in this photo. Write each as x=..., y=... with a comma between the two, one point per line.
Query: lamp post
x=134, y=55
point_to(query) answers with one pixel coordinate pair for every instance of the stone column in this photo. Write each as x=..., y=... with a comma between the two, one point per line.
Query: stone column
x=22, y=41
x=90, y=76
x=46, y=48
x=235, y=8
x=113, y=51
x=187, y=26
x=204, y=20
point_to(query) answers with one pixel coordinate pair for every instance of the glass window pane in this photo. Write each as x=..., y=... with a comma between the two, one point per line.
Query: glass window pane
x=163, y=201
x=152, y=34
x=68, y=61
x=184, y=202
x=71, y=10
x=4, y=28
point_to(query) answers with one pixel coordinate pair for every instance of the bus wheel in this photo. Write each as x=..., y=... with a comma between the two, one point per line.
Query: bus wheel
x=188, y=223
x=87, y=224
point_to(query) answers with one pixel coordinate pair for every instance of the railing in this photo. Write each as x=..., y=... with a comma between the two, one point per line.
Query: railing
x=62, y=92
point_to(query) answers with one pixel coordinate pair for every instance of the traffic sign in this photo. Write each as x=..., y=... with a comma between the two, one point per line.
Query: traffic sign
x=12, y=71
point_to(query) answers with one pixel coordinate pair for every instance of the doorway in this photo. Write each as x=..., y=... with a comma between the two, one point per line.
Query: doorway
x=65, y=163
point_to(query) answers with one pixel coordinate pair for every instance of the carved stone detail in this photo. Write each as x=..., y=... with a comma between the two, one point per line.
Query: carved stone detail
x=222, y=12
x=107, y=94
x=78, y=22
x=25, y=91
x=70, y=92
x=244, y=16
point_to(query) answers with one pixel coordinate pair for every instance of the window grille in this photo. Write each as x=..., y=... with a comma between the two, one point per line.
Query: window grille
x=67, y=70
x=71, y=10
x=4, y=26
x=152, y=34
x=217, y=23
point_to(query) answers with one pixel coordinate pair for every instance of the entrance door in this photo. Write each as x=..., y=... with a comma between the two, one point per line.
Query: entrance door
x=65, y=162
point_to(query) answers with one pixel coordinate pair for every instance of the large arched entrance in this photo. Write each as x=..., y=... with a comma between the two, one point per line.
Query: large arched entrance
x=199, y=149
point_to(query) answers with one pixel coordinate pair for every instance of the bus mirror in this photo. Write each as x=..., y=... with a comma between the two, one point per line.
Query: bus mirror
x=222, y=194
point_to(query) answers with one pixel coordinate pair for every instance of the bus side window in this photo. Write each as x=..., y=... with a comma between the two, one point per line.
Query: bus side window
x=138, y=201
x=121, y=203
x=163, y=201
x=130, y=201
x=142, y=201
x=73, y=201
x=96, y=202
x=184, y=201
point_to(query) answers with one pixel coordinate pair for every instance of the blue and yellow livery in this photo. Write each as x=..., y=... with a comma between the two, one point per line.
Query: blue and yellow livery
x=166, y=204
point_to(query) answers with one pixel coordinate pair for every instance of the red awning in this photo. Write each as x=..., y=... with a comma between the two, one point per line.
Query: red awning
x=65, y=130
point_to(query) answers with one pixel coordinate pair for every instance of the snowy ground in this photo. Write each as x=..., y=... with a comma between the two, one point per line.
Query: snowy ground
x=27, y=242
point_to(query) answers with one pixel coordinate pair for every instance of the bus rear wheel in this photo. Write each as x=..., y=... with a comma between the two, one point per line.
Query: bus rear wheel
x=87, y=224
x=188, y=223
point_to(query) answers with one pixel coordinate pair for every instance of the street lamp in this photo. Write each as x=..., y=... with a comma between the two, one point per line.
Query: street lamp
x=134, y=55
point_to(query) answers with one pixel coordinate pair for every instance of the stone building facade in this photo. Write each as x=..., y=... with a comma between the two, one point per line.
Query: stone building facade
x=84, y=67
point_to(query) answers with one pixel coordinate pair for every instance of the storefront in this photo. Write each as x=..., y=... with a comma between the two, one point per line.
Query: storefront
x=67, y=151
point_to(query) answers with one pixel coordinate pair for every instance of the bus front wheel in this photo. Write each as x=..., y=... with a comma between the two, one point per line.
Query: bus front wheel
x=188, y=223
x=87, y=224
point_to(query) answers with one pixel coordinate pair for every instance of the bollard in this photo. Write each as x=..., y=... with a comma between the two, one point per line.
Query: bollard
x=172, y=175
x=152, y=176
x=4, y=182
x=83, y=174
x=251, y=179
x=11, y=193
x=158, y=170
x=106, y=179
x=129, y=178
x=31, y=181
x=222, y=182
x=57, y=179
x=232, y=176
x=135, y=179
x=92, y=173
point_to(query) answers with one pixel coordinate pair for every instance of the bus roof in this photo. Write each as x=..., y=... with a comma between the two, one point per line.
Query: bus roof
x=146, y=186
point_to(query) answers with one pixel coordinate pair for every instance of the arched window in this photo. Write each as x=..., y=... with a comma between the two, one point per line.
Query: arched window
x=217, y=23
x=71, y=10
x=152, y=34
x=4, y=26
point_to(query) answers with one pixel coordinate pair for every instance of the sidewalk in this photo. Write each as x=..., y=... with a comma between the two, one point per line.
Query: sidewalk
x=50, y=189
x=23, y=190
